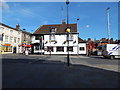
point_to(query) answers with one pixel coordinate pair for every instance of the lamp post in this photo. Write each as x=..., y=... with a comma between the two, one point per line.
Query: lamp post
x=50, y=43
x=67, y=30
x=108, y=24
x=78, y=36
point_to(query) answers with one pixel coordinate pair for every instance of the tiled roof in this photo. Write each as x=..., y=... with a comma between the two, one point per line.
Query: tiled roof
x=81, y=40
x=45, y=29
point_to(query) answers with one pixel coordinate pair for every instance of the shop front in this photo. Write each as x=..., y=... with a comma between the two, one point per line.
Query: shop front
x=6, y=48
x=26, y=47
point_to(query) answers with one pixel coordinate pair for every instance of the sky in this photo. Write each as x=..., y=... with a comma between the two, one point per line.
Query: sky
x=92, y=23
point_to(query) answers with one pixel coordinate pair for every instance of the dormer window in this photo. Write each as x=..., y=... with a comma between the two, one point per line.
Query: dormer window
x=53, y=30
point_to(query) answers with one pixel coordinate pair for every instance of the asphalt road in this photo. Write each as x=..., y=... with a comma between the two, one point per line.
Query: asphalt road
x=35, y=71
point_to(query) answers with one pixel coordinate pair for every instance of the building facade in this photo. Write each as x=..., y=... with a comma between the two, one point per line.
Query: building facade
x=10, y=39
x=52, y=39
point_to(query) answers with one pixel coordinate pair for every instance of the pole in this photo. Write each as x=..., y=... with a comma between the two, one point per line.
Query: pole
x=78, y=36
x=50, y=43
x=68, y=61
x=108, y=24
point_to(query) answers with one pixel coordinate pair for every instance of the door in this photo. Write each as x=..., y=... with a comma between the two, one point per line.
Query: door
x=14, y=50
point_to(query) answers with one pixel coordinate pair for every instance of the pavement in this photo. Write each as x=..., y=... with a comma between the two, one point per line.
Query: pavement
x=44, y=71
x=93, y=61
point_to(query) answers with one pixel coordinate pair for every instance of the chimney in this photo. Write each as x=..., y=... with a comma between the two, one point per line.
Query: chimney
x=18, y=26
x=63, y=21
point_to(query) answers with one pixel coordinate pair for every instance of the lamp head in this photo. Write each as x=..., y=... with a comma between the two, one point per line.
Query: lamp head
x=68, y=30
x=108, y=8
x=67, y=1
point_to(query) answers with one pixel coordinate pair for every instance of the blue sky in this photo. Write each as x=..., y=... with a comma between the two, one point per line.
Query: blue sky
x=92, y=23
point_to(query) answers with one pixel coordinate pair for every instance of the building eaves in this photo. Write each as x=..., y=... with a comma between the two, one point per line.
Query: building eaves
x=8, y=26
x=14, y=28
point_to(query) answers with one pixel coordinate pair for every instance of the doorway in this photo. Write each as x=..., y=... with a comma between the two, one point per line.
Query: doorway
x=14, y=50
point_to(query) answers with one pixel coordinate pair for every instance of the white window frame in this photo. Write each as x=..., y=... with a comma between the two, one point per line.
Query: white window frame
x=70, y=37
x=6, y=38
x=52, y=37
x=1, y=28
x=15, y=39
x=11, y=31
x=19, y=34
x=18, y=40
x=53, y=30
x=11, y=39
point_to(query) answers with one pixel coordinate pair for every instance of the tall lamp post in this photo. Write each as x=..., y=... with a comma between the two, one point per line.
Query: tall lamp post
x=78, y=36
x=108, y=24
x=68, y=31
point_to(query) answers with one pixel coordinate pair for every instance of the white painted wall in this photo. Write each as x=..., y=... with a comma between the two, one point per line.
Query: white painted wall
x=60, y=40
x=82, y=45
x=7, y=32
x=60, y=43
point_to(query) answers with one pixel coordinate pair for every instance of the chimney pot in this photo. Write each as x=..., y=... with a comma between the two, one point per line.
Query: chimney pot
x=18, y=26
x=63, y=21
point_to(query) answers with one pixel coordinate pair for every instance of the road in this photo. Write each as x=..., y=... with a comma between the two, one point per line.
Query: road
x=35, y=71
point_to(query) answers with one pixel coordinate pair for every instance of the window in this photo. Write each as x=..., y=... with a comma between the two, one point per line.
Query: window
x=11, y=38
x=11, y=31
x=36, y=47
x=37, y=37
x=49, y=49
x=82, y=48
x=70, y=49
x=60, y=49
x=26, y=36
x=53, y=30
x=1, y=37
x=15, y=39
x=52, y=37
x=18, y=34
x=1, y=29
x=6, y=38
x=18, y=40
x=70, y=37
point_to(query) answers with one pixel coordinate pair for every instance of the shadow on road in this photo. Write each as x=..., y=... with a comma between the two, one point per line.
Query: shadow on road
x=28, y=73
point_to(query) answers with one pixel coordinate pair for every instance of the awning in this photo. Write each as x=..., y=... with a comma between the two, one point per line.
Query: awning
x=26, y=45
x=7, y=44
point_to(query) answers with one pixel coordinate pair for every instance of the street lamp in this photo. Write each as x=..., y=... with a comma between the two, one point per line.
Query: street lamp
x=68, y=31
x=78, y=36
x=108, y=24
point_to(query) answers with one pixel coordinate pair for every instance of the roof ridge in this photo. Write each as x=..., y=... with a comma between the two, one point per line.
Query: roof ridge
x=57, y=24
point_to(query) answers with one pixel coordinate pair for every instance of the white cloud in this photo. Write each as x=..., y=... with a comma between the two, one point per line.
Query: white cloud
x=4, y=5
x=27, y=12
x=87, y=26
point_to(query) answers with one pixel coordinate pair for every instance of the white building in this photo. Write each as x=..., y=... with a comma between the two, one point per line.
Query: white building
x=52, y=39
x=10, y=39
